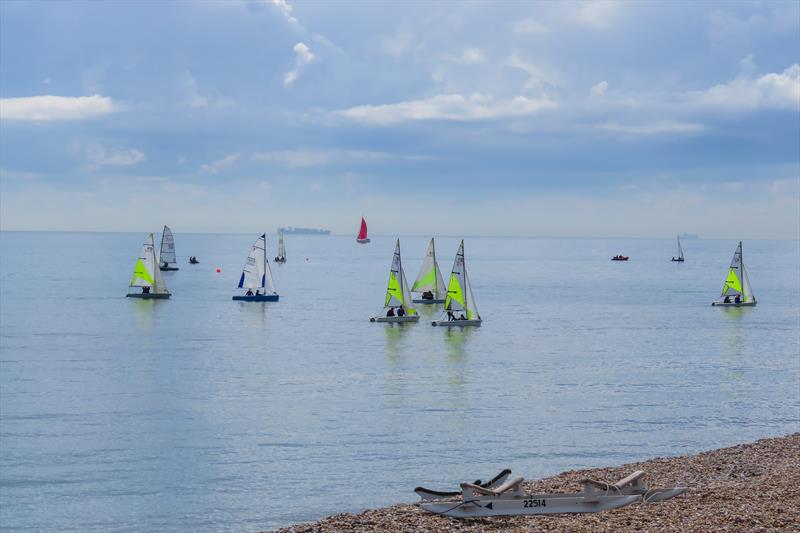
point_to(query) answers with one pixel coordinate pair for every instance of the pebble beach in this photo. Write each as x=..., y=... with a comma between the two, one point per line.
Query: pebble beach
x=748, y=487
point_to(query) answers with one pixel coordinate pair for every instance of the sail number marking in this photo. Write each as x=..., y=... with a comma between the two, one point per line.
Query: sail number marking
x=534, y=503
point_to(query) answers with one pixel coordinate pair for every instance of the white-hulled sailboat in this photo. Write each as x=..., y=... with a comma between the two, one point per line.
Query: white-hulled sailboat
x=257, y=276
x=736, y=292
x=147, y=275
x=459, y=306
x=397, y=306
x=167, y=259
x=281, y=257
x=429, y=280
x=679, y=259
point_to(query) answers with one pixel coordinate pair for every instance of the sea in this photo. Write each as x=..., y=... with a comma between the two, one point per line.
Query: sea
x=201, y=413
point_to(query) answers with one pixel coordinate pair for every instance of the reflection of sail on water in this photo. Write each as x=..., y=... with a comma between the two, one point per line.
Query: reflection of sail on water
x=430, y=277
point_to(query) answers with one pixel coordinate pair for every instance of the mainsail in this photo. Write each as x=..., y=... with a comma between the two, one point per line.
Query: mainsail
x=362, y=232
x=737, y=282
x=459, y=291
x=430, y=277
x=397, y=293
x=281, y=247
x=680, y=248
x=146, y=272
x=167, y=256
x=256, y=273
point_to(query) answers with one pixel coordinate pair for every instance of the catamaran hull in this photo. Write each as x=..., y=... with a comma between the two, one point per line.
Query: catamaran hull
x=259, y=298
x=530, y=504
x=148, y=296
x=393, y=319
x=168, y=268
x=453, y=323
x=423, y=301
x=733, y=304
x=362, y=241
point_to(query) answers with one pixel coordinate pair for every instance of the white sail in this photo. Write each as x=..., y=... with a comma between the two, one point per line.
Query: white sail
x=254, y=271
x=472, y=308
x=269, y=283
x=680, y=248
x=167, y=258
x=281, y=246
x=737, y=282
x=146, y=272
x=397, y=291
x=430, y=277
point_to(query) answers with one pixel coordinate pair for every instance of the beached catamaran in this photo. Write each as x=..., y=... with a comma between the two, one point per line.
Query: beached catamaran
x=429, y=280
x=459, y=306
x=679, y=259
x=736, y=292
x=397, y=306
x=257, y=276
x=362, y=232
x=281, y=257
x=147, y=275
x=167, y=259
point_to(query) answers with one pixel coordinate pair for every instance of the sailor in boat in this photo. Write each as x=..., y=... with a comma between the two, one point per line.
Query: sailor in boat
x=462, y=317
x=145, y=290
x=390, y=312
x=738, y=299
x=427, y=295
x=401, y=311
x=727, y=299
x=249, y=292
x=450, y=316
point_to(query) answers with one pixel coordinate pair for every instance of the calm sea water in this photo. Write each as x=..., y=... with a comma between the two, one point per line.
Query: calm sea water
x=207, y=414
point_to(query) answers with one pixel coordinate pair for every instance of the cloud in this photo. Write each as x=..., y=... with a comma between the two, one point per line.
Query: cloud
x=469, y=56
x=310, y=158
x=48, y=107
x=597, y=14
x=455, y=107
x=303, y=57
x=770, y=91
x=99, y=156
x=18, y=175
x=599, y=89
x=284, y=7
x=220, y=164
x=528, y=26
x=397, y=45
x=654, y=128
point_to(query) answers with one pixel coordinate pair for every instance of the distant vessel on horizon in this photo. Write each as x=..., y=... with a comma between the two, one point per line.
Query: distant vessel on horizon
x=291, y=230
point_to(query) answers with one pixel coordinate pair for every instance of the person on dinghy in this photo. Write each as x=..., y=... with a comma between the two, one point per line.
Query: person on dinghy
x=727, y=299
x=249, y=292
x=738, y=299
x=450, y=316
x=427, y=295
x=462, y=317
x=401, y=311
x=390, y=312
x=145, y=290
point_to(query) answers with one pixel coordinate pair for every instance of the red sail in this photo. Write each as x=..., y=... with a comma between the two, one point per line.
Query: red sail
x=362, y=233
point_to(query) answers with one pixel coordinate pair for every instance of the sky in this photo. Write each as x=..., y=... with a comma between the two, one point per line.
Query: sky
x=580, y=119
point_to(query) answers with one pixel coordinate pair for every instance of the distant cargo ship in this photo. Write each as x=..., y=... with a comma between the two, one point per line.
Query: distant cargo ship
x=291, y=230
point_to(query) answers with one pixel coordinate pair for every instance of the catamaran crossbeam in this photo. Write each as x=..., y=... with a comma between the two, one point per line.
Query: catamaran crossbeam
x=508, y=498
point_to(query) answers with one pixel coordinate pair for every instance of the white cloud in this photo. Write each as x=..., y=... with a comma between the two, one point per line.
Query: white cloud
x=599, y=89
x=284, y=7
x=18, y=175
x=397, y=45
x=98, y=156
x=310, y=158
x=448, y=107
x=469, y=56
x=48, y=107
x=770, y=91
x=220, y=164
x=654, y=128
x=303, y=57
x=597, y=14
x=528, y=26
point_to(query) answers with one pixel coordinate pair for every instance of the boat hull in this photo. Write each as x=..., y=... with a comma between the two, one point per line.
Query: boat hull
x=259, y=298
x=456, y=323
x=148, y=295
x=395, y=319
x=163, y=269
x=677, y=260
x=530, y=504
x=733, y=304
x=276, y=260
x=423, y=301
x=362, y=241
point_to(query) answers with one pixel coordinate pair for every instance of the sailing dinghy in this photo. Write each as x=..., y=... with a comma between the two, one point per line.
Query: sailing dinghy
x=679, y=259
x=459, y=306
x=167, y=258
x=147, y=275
x=429, y=280
x=257, y=276
x=281, y=257
x=362, y=233
x=737, y=291
x=396, y=307
x=507, y=498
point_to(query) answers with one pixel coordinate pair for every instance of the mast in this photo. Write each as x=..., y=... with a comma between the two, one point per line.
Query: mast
x=400, y=273
x=436, y=291
x=264, y=265
x=466, y=279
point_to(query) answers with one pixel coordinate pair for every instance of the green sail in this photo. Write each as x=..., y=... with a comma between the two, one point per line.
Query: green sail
x=733, y=282
x=393, y=290
x=140, y=272
x=454, y=292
